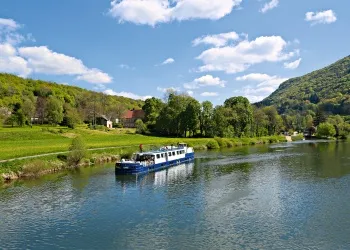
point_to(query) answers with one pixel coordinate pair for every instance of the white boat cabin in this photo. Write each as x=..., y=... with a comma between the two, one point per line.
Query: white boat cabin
x=163, y=155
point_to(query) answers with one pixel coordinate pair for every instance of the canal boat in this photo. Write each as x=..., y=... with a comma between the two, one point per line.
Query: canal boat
x=165, y=157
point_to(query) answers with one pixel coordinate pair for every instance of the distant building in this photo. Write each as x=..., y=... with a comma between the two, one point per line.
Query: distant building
x=129, y=118
x=103, y=120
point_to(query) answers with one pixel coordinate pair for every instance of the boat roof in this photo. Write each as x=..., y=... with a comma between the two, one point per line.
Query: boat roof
x=158, y=151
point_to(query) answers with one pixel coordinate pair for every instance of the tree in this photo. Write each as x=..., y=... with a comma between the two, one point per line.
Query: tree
x=41, y=108
x=242, y=115
x=189, y=118
x=77, y=151
x=5, y=113
x=326, y=130
x=221, y=120
x=54, y=110
x=274, y=120
x=140, y=127
x=28, y=109
x=206, y=119
x=152, y=109
x=320, y=117
x=71, y=116
x=260, y=122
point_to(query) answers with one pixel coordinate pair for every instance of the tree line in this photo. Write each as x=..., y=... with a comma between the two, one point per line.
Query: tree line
x=181, y=115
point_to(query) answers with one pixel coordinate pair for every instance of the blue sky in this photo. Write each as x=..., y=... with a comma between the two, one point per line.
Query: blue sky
x=209, y=49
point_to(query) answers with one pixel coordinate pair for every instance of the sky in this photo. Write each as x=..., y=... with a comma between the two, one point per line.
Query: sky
x=209, y=49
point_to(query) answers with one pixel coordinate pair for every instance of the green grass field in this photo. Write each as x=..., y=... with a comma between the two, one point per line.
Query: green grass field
x=20, y=142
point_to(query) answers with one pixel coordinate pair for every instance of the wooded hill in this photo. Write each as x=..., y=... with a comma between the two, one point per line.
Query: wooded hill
x=327, y=89
x=48, y=101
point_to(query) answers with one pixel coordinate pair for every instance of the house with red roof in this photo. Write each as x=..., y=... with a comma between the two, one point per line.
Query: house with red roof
x=129, y=118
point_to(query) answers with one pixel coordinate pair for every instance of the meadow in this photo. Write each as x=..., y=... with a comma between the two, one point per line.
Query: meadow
x=25, y=141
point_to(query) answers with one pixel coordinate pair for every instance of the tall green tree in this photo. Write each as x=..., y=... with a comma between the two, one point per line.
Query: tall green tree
x=206, y=119
x=274, y=120
x=243, y=115
x=54, y=110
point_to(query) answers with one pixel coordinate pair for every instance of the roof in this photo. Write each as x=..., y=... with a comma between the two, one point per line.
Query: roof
x=134, y=114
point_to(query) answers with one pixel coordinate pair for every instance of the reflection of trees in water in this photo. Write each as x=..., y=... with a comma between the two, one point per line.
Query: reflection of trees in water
x=321, y=159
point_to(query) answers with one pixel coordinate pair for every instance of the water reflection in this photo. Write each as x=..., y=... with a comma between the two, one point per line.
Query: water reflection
x=283, y=196
x=158, y=178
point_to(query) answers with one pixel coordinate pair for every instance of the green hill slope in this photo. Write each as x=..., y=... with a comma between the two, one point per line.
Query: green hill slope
x=328, y=88
x=33, y=98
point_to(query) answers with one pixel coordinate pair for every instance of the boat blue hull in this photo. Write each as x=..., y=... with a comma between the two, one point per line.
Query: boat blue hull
x=123, y=169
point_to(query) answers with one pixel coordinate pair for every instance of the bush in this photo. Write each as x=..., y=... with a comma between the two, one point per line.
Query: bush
x=77, y=152
x=212, y=144
x=298, y=137
x=34, y=168
x=223, y=142
x=326, y=130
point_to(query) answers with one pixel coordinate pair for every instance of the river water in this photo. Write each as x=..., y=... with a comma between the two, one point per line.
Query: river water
x=282, y=196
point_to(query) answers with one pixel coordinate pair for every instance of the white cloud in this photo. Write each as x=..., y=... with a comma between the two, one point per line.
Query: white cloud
x=151, y=12
x=209, y=94
x=168, y=61
x=269, y=6
x=10, y=62
x=95, y=76
x=204, y=81
x=45, y=61
x=292, y=65
x=25, y=60
x=190, y=92
x=126, y=94
x=124, y=66
x=165, y=90
x=238, y=58
x=218, y=40
x=266, y=85
x=9, y=34
x=8, y=24
x=254, y=77
x=323, y=17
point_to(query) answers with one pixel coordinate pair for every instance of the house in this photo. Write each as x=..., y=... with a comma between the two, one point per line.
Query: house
x=129, y=118
x=103, y=120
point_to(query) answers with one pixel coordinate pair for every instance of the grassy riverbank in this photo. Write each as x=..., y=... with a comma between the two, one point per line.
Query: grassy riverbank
x=102, y=145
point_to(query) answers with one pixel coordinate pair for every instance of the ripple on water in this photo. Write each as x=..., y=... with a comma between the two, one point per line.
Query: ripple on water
x=258, y=198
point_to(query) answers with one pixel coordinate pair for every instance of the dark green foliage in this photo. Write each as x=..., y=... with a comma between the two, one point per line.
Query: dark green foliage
x=141, y=128
x=328, y=88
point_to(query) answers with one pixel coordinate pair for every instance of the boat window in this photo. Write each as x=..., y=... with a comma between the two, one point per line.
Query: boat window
x=169, y=153
x=162, y=155
x=173, y=152
x=158, y=156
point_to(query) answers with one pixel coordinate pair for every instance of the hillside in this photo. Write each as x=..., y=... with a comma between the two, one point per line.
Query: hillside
x=327, y=88
x=35, y=98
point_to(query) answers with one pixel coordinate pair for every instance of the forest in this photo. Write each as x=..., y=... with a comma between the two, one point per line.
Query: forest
x=47, y=102
x=300, y=104
x=327, y=89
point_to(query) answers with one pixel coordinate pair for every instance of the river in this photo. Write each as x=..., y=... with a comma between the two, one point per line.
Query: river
x=282, y=196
